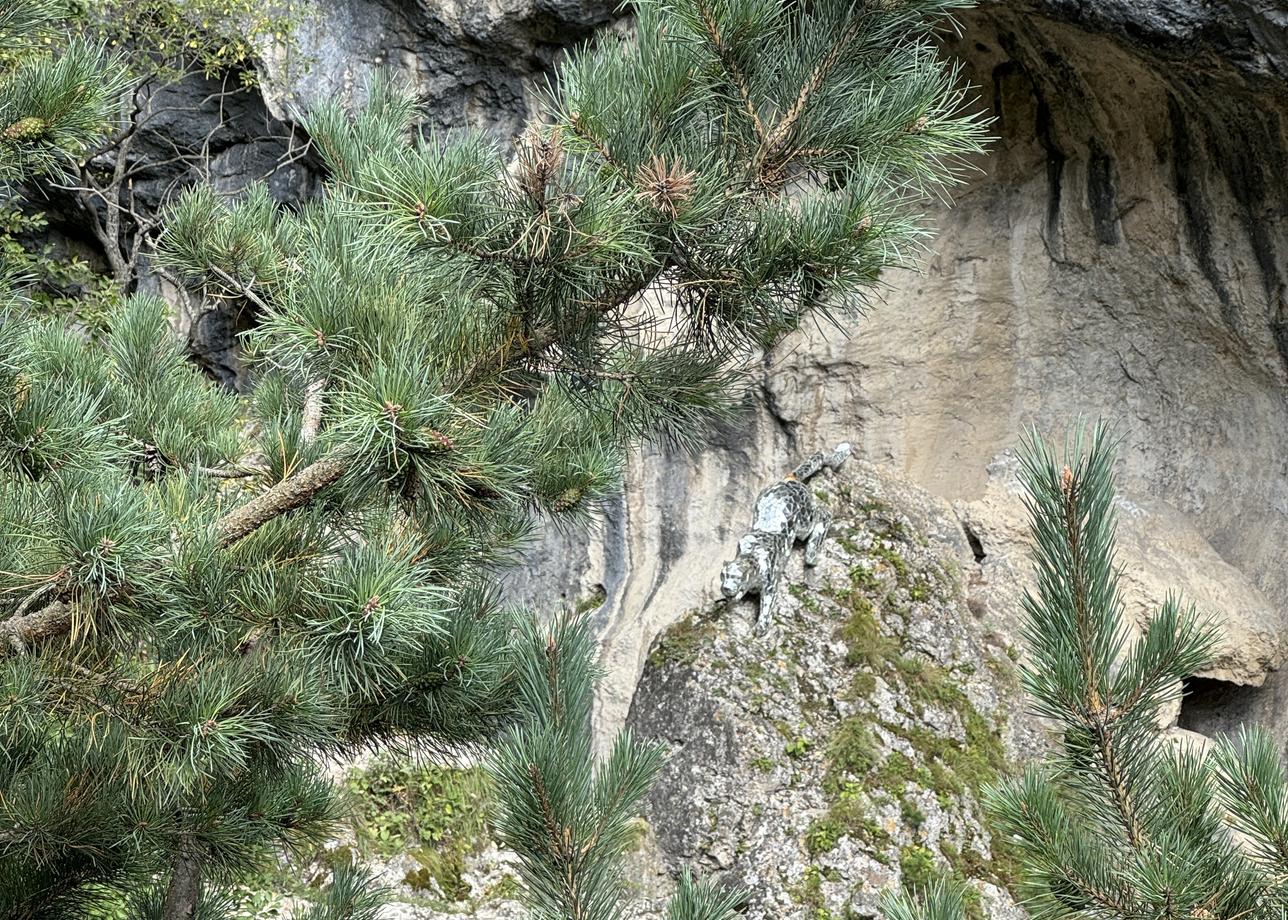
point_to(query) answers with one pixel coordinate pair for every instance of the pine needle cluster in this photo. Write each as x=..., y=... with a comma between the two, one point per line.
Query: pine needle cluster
x=1122, y=822
x=569, y=816
x=202, y=595
x=51, y=103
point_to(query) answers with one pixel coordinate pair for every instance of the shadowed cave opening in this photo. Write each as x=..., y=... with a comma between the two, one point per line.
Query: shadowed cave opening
x=1218, y=707
x=976, y=544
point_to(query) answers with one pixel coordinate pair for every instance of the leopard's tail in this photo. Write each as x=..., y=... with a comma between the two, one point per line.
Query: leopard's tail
x=824, y=458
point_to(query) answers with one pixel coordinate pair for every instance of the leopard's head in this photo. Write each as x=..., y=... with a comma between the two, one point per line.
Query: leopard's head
x=735, y=577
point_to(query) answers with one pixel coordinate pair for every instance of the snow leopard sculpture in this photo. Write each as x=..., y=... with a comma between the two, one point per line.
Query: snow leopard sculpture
x=784, y=513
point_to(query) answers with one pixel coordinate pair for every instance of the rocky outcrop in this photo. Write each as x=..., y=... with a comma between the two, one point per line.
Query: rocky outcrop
x=474, y=64
x=844, y=753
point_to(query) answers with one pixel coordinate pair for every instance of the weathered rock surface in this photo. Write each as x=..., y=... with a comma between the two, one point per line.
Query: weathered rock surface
x=1248, y=36
x=1121, y=257
x=843, y=753
x=474, y=63
x=1160, y=553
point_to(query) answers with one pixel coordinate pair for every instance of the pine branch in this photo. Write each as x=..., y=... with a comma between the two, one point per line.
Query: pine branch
x=226, y=472
x=1098, y=713
x=1116, y=825
x=184, y=892
x=730, y=63
x=18, y=633
x=478, y=339
x=516, y=349
x=287, y=495
x=815, y=82
x=246, y=290
x=314, y=401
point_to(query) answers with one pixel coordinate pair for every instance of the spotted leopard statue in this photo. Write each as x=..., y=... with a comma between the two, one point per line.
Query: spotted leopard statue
x=784, y=513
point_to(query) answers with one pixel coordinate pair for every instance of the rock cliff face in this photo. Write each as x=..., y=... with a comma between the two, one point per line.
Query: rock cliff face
x=1120, y=254
x=475, y=63
x=843, y=752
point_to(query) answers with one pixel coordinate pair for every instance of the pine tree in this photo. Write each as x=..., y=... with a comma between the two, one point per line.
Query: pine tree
x=203, y=595
x=567, y=815
x=1120, y=822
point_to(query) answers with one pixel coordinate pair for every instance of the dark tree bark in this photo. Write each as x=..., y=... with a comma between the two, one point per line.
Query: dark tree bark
x=185, y=886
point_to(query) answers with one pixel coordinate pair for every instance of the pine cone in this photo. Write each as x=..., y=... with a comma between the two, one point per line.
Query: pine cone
x=568, y=499
x=26, y=129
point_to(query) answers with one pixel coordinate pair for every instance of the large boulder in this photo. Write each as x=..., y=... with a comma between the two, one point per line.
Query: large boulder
x=844, y=752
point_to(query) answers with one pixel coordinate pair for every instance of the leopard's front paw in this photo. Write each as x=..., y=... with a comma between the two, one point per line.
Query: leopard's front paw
x=765, y=618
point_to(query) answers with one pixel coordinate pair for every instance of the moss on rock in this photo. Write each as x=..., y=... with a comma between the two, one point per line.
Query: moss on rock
x=847, y=749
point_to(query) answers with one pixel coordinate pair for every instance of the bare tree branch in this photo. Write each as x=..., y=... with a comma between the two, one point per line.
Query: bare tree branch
x=314, y=402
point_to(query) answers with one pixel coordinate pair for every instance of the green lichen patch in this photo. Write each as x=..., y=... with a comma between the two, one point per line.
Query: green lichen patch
x=851, y=751
x=684, y=640
x=889, y=557
x=436, y=815
x=860, y=767
x=809, y=893
x=866, y=646
x=916, y=866
x=797, y=747
x=848, y=816
x=894, y=774
x=593, y=600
